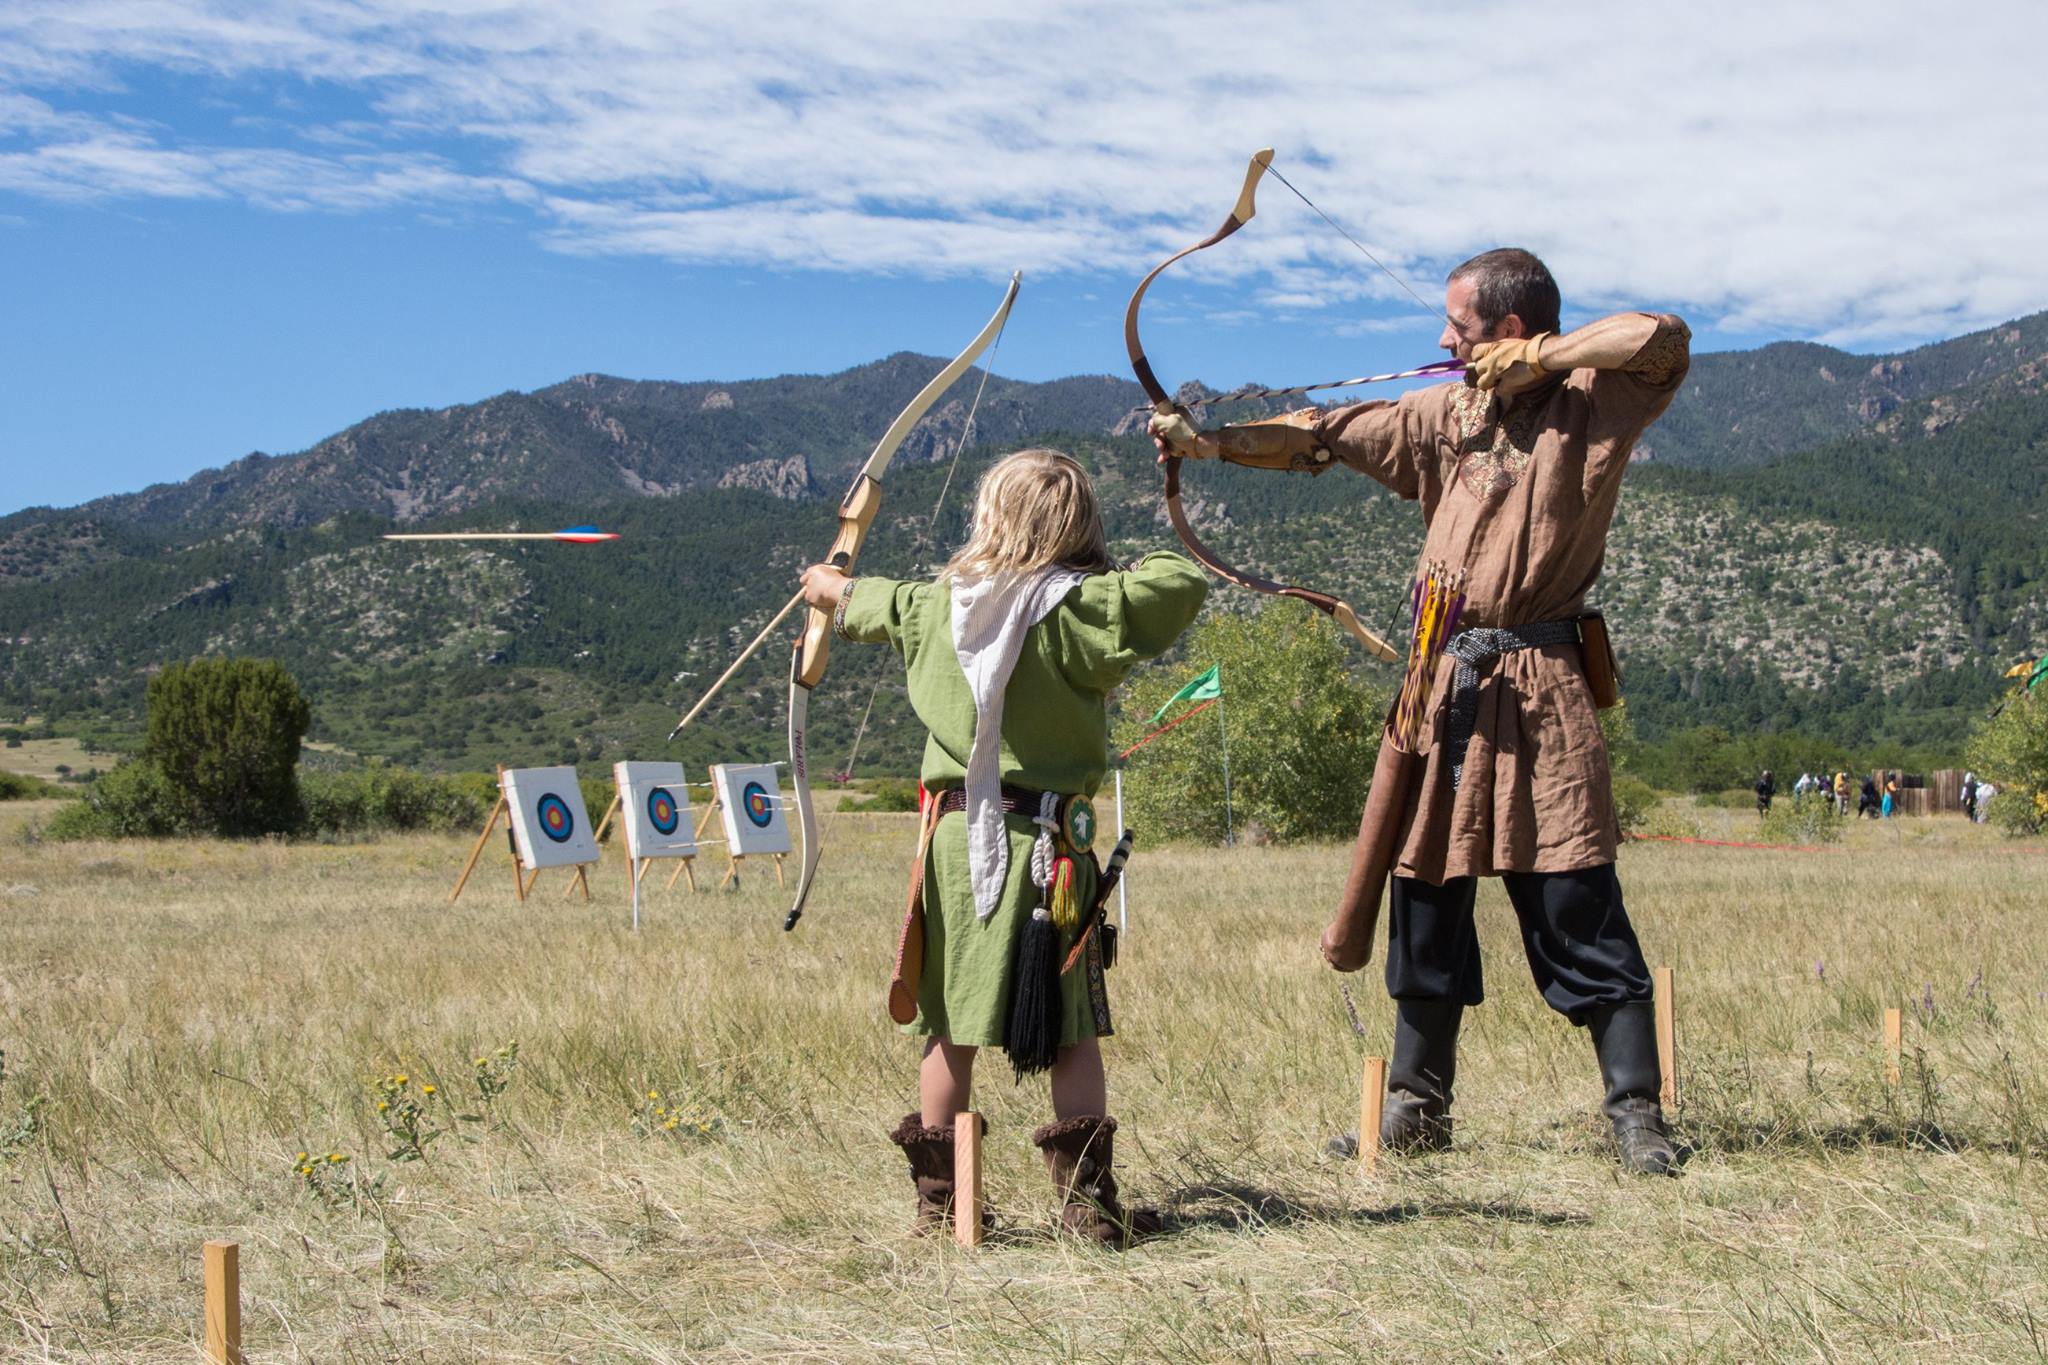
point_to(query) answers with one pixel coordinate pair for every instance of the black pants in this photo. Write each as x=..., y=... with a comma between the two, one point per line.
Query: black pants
x=1582, y=950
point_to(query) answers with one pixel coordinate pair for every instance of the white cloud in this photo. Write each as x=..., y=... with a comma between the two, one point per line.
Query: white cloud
x=1837, y=171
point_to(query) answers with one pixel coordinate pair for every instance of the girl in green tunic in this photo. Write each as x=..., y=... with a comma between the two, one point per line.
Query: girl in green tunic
x=1010, y=655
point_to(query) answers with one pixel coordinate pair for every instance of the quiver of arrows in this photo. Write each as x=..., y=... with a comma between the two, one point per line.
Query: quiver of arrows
x=1438, y=600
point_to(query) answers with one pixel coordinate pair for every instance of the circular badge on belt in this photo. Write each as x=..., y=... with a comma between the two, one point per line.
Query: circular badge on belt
x=1077, y=823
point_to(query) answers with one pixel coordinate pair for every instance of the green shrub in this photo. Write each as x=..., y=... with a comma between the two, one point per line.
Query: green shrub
x=224, y=737
x=1636, y=803
x=22, y=787
x=2010, y=750
x=1800, y=822
x=383, y=798
x=134, y=801
x=884, y=794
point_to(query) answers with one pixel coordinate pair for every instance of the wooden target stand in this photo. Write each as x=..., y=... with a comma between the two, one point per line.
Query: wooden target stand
x=521, y=882
x=686, y=865
x=732, y=860
x=637, y=870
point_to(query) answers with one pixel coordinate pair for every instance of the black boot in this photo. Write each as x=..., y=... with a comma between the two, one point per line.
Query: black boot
x=1625, y=1039
x=1417, y=1113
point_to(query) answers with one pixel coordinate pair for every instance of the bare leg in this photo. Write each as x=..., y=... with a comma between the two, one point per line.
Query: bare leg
x=945, y=1082
x=1078, y=1087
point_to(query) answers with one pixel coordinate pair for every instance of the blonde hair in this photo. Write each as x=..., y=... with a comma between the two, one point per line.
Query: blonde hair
x=1033, y=509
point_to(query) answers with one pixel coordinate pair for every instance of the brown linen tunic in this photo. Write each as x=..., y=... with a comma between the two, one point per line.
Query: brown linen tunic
x=1521, y=500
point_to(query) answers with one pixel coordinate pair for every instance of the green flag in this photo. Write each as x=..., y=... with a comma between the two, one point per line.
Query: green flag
x=1206, y=685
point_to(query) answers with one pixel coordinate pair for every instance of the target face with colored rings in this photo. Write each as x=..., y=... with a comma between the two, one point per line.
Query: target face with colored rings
x=759, y=806
x=662, y=812
x=555, y=820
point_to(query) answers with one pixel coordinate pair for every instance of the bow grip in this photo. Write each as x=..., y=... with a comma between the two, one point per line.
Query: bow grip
x=856, y=512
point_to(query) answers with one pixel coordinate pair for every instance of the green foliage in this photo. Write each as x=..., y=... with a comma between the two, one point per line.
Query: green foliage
x=224, y=735
x=22, y=787
x=134, y=801
x=1636, y=804
x=891, y=794
x=2010, y=750
x=1811, y=821
x=383, y=798
x=1302, y=733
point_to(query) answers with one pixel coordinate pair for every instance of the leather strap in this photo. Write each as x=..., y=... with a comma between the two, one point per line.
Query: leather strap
x=1015, y=800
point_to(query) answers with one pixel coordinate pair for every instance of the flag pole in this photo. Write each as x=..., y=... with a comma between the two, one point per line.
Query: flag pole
x=1223, y=731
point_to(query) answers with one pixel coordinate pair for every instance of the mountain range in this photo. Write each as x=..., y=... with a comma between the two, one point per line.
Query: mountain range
x=1850, y=547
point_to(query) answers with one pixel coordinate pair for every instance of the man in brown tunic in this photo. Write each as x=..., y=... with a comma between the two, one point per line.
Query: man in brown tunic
x=1517, y=470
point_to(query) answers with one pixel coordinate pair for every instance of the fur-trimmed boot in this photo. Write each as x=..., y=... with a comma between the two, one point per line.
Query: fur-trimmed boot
x=1417, y=1113
x=1625, y=1040
x=1080, y=1155
x=930, y=1151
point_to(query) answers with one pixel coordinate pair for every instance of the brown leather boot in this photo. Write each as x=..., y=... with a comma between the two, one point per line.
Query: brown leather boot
x=931, y=1166
x=1080, y=1157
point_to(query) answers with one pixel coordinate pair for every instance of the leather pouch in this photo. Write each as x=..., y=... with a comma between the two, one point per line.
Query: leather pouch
x=1603, y=675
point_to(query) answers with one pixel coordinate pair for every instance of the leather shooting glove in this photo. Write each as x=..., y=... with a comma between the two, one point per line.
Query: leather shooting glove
x=1174, y=433
x=1495, y=362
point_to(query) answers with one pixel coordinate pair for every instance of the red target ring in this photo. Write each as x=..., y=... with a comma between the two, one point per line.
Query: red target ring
x=662, y=811
x=760, y=807
x=555, y=820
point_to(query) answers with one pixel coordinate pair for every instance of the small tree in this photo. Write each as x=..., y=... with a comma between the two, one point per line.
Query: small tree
x=2010, y=750
x=224, y=734
x=1302, y=732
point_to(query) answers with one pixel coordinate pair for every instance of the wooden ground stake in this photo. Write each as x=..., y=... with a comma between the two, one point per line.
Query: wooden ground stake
x=478, y=851
x=967, y=1179
x=1372, y=1098
x=1894, y=1042
x=1664, y=988
x=223, y=1303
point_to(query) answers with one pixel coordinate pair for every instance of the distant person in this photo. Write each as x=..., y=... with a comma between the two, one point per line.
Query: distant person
x=1891, y=794
x=1766, y=788
x=1970, y=796
x=1842, y=793
x=1866, y=800
x=1517, y=471
x=1049, y=624
x=1985, y=791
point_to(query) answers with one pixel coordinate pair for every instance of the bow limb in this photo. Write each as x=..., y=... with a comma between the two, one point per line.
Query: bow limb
x=1333, y=607
x=856, y=513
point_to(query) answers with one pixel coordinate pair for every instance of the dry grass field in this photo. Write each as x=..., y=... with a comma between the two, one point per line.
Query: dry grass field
x=50, y=759
x=196, y=1015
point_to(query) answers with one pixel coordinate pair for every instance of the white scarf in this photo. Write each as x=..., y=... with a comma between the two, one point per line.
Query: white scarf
x=990, y=617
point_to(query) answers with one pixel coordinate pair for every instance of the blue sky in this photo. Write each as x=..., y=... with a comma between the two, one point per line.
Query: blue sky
x=238, y=226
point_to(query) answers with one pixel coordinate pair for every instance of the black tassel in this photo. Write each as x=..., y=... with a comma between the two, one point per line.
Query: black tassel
x=1033, y=1037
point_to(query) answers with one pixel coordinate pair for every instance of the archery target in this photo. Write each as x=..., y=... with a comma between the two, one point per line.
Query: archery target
x=750, y=803
x=655, y=805
x=550, y=827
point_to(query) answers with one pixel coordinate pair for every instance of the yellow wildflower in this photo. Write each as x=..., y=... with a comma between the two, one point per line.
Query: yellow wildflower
x=382, y=1105
x=427, y=1089
x=482, y=1062
x=654, y=1094
x=399, y=1079
x=302, y=1156
x=336, y=1158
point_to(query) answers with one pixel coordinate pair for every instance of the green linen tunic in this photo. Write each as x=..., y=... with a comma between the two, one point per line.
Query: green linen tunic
x=1055, y=738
